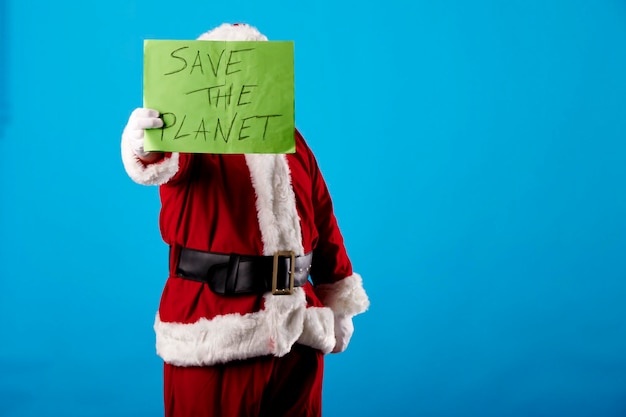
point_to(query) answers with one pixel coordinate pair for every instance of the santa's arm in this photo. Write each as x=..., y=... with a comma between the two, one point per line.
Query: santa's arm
x=335, y=283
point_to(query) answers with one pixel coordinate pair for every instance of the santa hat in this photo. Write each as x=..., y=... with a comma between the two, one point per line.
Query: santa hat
x=233, y=32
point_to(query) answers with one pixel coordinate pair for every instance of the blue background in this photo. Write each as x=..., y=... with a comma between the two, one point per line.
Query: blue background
x=476, y=155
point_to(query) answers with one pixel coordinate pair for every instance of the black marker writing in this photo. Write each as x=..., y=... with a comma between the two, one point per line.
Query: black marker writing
x=224, y=129
x=230, y=62
x=178, y=57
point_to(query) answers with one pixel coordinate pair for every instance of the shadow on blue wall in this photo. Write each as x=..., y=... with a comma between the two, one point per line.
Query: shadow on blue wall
x=4, y=64
x=14, y=394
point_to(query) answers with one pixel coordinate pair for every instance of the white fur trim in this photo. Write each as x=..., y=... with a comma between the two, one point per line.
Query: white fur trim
x=345, y=297
x=151, y=174
x=284, y=321
x=230, y=32
x=319, y=330
x=275, y=203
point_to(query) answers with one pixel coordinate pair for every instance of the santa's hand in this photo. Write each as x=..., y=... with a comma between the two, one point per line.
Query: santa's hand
x=343, y=332
x=139, y=120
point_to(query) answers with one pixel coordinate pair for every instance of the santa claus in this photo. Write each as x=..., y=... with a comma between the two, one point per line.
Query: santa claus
x=260, y=286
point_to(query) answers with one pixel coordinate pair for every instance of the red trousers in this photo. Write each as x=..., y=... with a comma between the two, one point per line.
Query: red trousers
x=290, y=386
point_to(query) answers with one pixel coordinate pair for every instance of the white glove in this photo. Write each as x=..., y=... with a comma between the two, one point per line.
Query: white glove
x=343, y=332
x=139, y=120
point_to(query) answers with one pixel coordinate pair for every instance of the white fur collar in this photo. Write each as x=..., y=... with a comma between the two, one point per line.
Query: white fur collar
x=233, y=32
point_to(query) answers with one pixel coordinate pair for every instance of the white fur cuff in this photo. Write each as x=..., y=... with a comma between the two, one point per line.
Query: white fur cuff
x=151, y=174
x=346, y=297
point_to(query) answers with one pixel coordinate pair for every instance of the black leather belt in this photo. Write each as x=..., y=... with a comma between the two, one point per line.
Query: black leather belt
x=232, y=274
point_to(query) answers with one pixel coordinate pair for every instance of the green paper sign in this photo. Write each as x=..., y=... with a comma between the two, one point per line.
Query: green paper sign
x=220, y=97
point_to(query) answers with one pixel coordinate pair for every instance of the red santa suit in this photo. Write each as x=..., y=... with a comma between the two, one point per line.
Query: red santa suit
x=255, y=204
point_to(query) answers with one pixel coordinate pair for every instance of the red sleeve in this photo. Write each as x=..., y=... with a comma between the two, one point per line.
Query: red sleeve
x=330, y=258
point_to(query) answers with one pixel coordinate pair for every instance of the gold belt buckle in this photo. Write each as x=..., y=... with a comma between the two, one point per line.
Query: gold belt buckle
x=292, y=272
